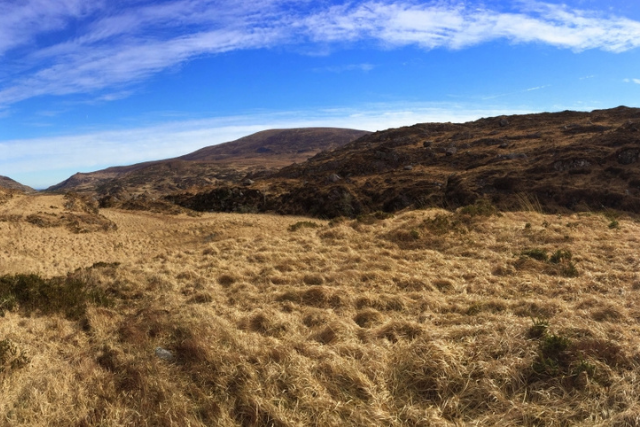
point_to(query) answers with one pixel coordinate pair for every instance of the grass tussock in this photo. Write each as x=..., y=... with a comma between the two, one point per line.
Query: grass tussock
x=474, y=319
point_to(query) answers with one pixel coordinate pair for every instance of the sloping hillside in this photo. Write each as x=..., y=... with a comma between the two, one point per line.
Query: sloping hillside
x=284, y=146
x=8, y=183
x=557, y=161
x=224, y=163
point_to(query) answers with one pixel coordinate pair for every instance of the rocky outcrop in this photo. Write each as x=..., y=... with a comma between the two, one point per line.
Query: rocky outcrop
x=565, y=161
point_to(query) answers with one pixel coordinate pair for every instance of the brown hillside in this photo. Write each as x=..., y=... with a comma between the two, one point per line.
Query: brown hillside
x=284, y=146
x=224, y=163
x=8, y=183
x=556, y=161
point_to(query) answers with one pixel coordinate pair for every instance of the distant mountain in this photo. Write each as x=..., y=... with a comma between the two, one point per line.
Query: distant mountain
x=223, y=163
x=8, y=183
x=557, y=161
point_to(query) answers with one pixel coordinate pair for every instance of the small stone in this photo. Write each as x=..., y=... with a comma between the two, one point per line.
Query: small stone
x=408, y=167
x=451, y=151
x=164, y=354
x=504, y=122
x=427, y=144
x=334, y=178
x=248, y=182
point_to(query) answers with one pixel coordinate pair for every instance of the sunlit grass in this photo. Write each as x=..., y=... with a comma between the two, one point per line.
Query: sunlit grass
x=471, y=320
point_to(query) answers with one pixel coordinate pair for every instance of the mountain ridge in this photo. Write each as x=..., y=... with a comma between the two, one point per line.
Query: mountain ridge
x=555, y=161
x=8, y=183
x=230, y=161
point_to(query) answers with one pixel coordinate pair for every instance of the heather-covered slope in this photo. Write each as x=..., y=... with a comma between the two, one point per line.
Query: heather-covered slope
x=8, y=183
x=224, y=163
x=557, y=161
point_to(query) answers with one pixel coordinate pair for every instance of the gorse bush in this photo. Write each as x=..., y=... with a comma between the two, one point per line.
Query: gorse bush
x=31, y=293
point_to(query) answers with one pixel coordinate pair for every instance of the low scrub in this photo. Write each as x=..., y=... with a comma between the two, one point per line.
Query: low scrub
x=30, y=293
x=574, y=362
x=559, y=263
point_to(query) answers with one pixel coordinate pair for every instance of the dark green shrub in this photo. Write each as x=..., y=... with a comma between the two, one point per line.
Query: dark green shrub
x=570, y=270
x=536, y=253
x=31, y=293
x=539, y=328
x=561, y=256
x=553, y=359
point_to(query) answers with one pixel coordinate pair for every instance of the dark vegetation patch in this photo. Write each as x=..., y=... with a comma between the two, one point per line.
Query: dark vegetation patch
x=303, y=224
x=571, y=362
x=33, y=294
x=559, y=263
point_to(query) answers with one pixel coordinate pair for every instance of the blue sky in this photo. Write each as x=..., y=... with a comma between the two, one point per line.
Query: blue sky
x=86, y=84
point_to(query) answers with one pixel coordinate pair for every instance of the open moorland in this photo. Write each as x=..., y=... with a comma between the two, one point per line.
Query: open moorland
x=420, y=318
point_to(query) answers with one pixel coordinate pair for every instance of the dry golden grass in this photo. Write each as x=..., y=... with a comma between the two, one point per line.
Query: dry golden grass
x=426, y=318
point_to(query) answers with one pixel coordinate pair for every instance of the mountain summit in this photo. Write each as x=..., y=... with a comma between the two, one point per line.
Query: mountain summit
x=229, y=162
x=8, y=183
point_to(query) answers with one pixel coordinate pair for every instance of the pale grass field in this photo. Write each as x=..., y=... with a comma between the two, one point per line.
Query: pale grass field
x=390, y=323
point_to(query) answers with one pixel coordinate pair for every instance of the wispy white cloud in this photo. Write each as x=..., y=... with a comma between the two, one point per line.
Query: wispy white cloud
x=457, y=26
x=531, y=89
x=98, y=45
x=23, y=21
x=636, y=81
x=29, y=160
x=344, y=68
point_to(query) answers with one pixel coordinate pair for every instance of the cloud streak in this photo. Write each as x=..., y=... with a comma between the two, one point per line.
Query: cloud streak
x=101, y=45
